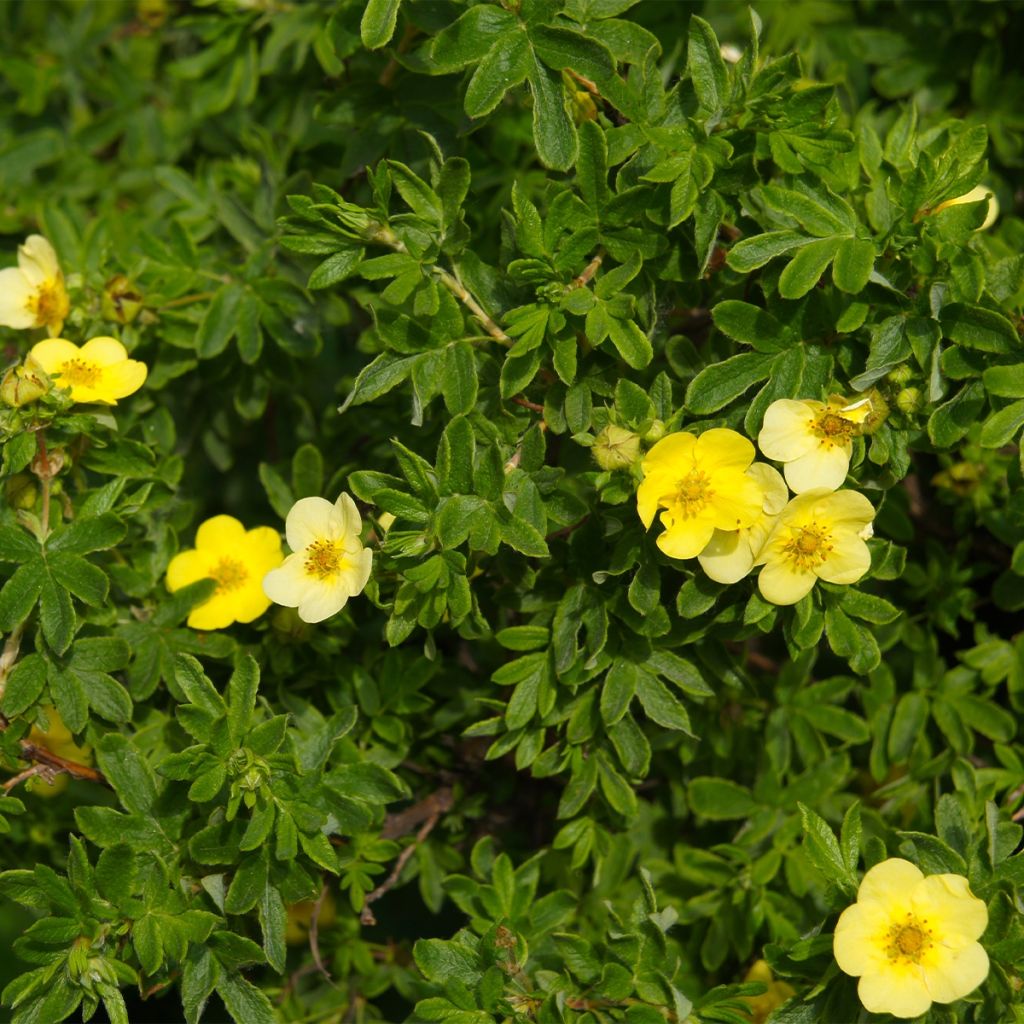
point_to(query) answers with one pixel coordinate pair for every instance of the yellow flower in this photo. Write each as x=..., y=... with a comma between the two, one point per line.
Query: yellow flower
x=32, y=294
x=300, y=918
x=912, y=940
x=778, y=992
x=329, y=563
x=702, y=485
x=58, y=740
x=237, y=559
x=813, y=439
x=819, y=535
x=99, y=371
x=976, y=195
x=730, y=554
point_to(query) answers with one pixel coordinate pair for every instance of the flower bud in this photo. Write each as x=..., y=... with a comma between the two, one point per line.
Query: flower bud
x=976, y=195
x=901, y=375
x=20, y=491
x=24, y=384
x=121, y=302
x=583, y=106
x=909, y=400
x=655, y=432
x=616, y=448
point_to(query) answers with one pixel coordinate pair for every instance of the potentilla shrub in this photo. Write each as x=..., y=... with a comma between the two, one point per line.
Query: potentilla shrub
x=512, y=512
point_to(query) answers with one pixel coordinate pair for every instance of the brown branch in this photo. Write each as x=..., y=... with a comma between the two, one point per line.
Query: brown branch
x=387, y=76
x=566, y=530
x=314, y=935
x=401, y=823
x=29, y=773
x=42, y=755
x=532, y=406
x=588, y=273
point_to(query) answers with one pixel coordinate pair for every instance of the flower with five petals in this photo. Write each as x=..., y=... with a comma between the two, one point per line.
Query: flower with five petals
x=32, y=294
x=99, y=371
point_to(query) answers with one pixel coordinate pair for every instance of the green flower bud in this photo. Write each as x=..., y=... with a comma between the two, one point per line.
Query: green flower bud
x=655, y=432
x=909, y=400
x=24, y=384
x=616, y=448
x=901, y=375
x=120, y=302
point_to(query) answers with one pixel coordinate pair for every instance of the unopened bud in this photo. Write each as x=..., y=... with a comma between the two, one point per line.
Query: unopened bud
x=121, y=302
x=655, y=432
x=900, y=375
x=20, y=491
x=976, y=195
x=24, y=384
x=583, y=106
x=909, y=400
x=385, y=521
x=616, y=448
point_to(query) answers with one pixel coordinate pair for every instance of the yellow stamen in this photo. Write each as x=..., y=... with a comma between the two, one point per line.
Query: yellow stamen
x=230, y=574
x=79, y=373
x=50, y=304
x=808, y=546
x=692, y=494
x=323, y=559
x=909, y=941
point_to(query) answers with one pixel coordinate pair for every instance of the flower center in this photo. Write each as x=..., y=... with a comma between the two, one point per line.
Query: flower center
x=834, y=429
x=692, y=493
x=909, y=940
x=230, y=574
x=49, y=304
x=323, y=559
x=79, y=372
x=808, y=546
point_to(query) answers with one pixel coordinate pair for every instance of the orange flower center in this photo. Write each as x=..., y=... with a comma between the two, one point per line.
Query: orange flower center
x=909, y=940
x=808, y=546
x=323, y=558
x=49, y=304
x=230, y=574
x=79, y=373
x=692, y=494
x=834, y=430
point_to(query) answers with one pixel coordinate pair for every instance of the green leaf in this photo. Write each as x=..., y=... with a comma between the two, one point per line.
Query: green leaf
x=242, y=687
x=806, y=268
x=335, y=268
x=128, y=772
x=24, y=685
x=19, y=594
x=592, y=167
x=82, y=578
x=460, y=379
x=719, y=799
x=248, y=884
x=378, y=22
x=1005, y=381
x=1003, y=426
x=56, y=614
x=751, y=325
x=632, y=344
x=822, y=847
x=853, y=264
x=86, y=535
x=752, y=253
x=554, y=133
x=219, y=322
x=660, y=704
x=718, y=384
x=980, y=329
x=243, y=1000
x=505, y=65
x=707, y=69
x=378, y=378
x=951, y=420
x=273, y=919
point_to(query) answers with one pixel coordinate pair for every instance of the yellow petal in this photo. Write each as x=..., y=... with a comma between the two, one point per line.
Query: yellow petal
x=685, y=538
x=782, y=584
x=955, y=972
x=647, y=495
x=901, y=993
x=122, y=379
x=358, y=575
x=848, y=508
x=264, y=543
x=220, y=535
x=774, y=492
x=16, y=296
x=289, y=585
x=325, y=600
x=53, y=353
x=738, y=500
x=720, y=448
x=727, y=558
x=859, y=940
x=217, y=613
x=890, y=882
x=311, y=519
x=848, y=560
x=187, y=567
x=37, y=260
x=786, y=432
x=352, y=523
x=249, y=601
x=950, y=907
x=825, y=465
x=673, y=452
x=104, y=351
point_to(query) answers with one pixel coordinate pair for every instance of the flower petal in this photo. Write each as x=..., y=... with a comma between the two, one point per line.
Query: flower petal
x=16, y=295
x=786, y=432
x=53, y=353
x=104, y=351
x=249, y=601
x=352, y=522
x=264, y=544
x=774, y=491
x=37, y=260
x=217, y=613
x=737, y=502
x=653, y=487
x=323, y=602
x=727, y=557
x=289, y=584
x=685, y=538
x=720, y=448
x=953, y=973
x=187, y=567
x=122, y=379
x=674, y=452
x=850, y=508
x=903, y=993
x=310, y=519
x=781, y=584
x=857, y=944
x=848, y=560
x=950, y=906
x=890, y=882
x=358, y=575
x=825, y=465
x=220, y=535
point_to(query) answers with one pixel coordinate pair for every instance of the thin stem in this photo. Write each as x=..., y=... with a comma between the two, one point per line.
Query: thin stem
x=187, y=300
x=588, y=272
x=456, y=287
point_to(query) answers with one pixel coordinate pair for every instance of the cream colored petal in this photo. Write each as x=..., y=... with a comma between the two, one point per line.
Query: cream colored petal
x=849, y=508
x=891, y=882
x=856, y=410
x=104, y=351
x=222, y=535
x=786, y=432
x=674, y=452
x=352, y=522
x=824, y=466
x=326, y=600
x=37, y=260
x=187, y=567
x=289, y=584
x=950, y=906
x=858, y=941
x=310, y=519
x=53, y=353
x=899, y=992
x=357, y=577
x=16, y=295
x=727, y=558
x=217, y=613
x=952, y=973
x=685, y=538
x=782, y=584
x=774, y=491
x=720, y=448
x=848, y=560
x=122, y=379
x=737, y=501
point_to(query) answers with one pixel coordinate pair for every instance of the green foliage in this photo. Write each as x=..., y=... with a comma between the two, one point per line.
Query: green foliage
x=467, y=261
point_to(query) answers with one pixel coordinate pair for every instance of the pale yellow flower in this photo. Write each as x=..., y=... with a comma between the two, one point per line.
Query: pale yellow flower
x=237, y=559
x=32, y=294
x=912, y=940
x=976, y=195
x=701, y=484
x=813, y=439
x=730, y=554
x=329, y=563
x=819, y=535
x=99, y=371
x=778, y=992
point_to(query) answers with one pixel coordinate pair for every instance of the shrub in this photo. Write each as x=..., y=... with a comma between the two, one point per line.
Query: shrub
x=642, y=415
